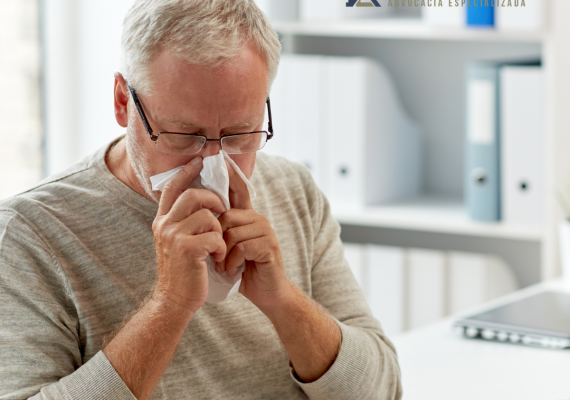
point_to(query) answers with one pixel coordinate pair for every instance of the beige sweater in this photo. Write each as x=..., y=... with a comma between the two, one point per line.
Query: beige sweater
x=77, y=255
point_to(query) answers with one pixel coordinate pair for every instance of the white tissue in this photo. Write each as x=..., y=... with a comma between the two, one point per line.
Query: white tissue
x=214, y=177
x=160, y=180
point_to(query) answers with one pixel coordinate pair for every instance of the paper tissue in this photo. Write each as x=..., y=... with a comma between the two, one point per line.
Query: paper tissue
x=214, y=177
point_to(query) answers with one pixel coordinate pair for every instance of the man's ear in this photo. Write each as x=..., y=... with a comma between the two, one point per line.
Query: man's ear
x=121, y=100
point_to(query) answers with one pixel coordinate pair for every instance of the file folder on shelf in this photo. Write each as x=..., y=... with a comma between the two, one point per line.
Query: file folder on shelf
x=298, y=110
x=342, y=118
x=521, y=144
x=309, y=136
x=480, y=14
x=374, y=148
x=482, y=180
x=282, y=111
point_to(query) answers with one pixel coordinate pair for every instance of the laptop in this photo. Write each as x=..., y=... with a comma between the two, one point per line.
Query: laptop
x=541, y=320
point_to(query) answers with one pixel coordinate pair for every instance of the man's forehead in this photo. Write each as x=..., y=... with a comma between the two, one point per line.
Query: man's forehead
x=234, y=79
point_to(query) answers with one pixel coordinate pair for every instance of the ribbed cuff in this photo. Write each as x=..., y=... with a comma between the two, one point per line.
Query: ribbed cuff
x=343, y=379
x=96, y=380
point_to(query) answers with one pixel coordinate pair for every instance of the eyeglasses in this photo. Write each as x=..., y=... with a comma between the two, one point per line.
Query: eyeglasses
x=192, y=143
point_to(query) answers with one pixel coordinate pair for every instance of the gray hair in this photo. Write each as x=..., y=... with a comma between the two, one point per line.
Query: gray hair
x=203, y=32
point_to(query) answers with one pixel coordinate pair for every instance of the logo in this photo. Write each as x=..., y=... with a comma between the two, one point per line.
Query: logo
x=361, y=3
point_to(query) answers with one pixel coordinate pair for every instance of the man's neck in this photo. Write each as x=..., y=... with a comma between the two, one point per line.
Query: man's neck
x=118, y=162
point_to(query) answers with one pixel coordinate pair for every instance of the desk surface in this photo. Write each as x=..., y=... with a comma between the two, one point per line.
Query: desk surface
x=437, y=363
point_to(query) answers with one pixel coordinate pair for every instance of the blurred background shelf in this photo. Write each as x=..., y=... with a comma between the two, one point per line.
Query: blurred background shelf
x=396, y=28
x=428, y=65
x=437, y=214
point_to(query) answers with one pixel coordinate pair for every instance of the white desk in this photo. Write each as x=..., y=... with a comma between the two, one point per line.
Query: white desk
x=438, y=364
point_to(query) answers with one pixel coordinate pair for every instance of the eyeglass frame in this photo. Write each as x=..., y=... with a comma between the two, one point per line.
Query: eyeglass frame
x=154, y=137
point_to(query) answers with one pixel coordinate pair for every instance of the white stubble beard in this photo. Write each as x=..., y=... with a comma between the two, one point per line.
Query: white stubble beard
x=139, y=161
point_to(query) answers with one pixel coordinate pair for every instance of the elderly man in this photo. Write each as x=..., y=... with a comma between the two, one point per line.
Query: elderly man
x=103, y=281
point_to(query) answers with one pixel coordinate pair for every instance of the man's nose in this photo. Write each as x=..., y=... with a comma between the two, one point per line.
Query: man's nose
x=211, y=148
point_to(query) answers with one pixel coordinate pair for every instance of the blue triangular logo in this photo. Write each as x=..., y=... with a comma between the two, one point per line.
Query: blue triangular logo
x=351, y=3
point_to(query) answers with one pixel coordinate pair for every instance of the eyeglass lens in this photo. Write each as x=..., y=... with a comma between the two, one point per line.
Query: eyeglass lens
x=180, y=144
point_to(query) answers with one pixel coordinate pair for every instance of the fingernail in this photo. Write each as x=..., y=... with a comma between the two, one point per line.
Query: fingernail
x=196, y=160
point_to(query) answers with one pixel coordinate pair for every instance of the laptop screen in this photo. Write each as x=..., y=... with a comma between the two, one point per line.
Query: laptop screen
x=544, y=313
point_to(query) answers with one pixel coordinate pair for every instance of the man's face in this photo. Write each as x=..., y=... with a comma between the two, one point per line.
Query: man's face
x=190, y=98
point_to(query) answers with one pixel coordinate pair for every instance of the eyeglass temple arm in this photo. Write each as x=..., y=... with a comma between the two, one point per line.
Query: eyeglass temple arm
x=141, y=113
x=270, y=123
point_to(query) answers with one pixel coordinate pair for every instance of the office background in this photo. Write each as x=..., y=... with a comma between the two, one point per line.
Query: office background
x=423, y=251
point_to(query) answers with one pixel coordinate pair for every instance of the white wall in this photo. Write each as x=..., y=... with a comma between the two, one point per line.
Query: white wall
x=82, y=52
x=20, y=116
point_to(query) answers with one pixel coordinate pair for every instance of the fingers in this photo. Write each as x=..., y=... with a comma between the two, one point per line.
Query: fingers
x=167, y=235
x=200, y=222
x=178, y=184
x=212, y=242
x=258, y=250
x=234, y=217
x=239, y=195
x=240, y=234
x=241, y=226
x=193, y=200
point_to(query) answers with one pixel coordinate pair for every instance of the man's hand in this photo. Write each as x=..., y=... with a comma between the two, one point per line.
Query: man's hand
x=310, y=336
x=185, y=234
x=250, y=238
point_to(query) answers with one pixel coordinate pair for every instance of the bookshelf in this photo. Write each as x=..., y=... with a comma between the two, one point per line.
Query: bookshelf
x=401, y=28
x=433, y=214
x=427, y=65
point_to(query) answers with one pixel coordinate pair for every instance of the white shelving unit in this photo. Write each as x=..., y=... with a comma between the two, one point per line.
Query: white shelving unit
x=397, y=28
x=430, y=69
x=433, y=214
